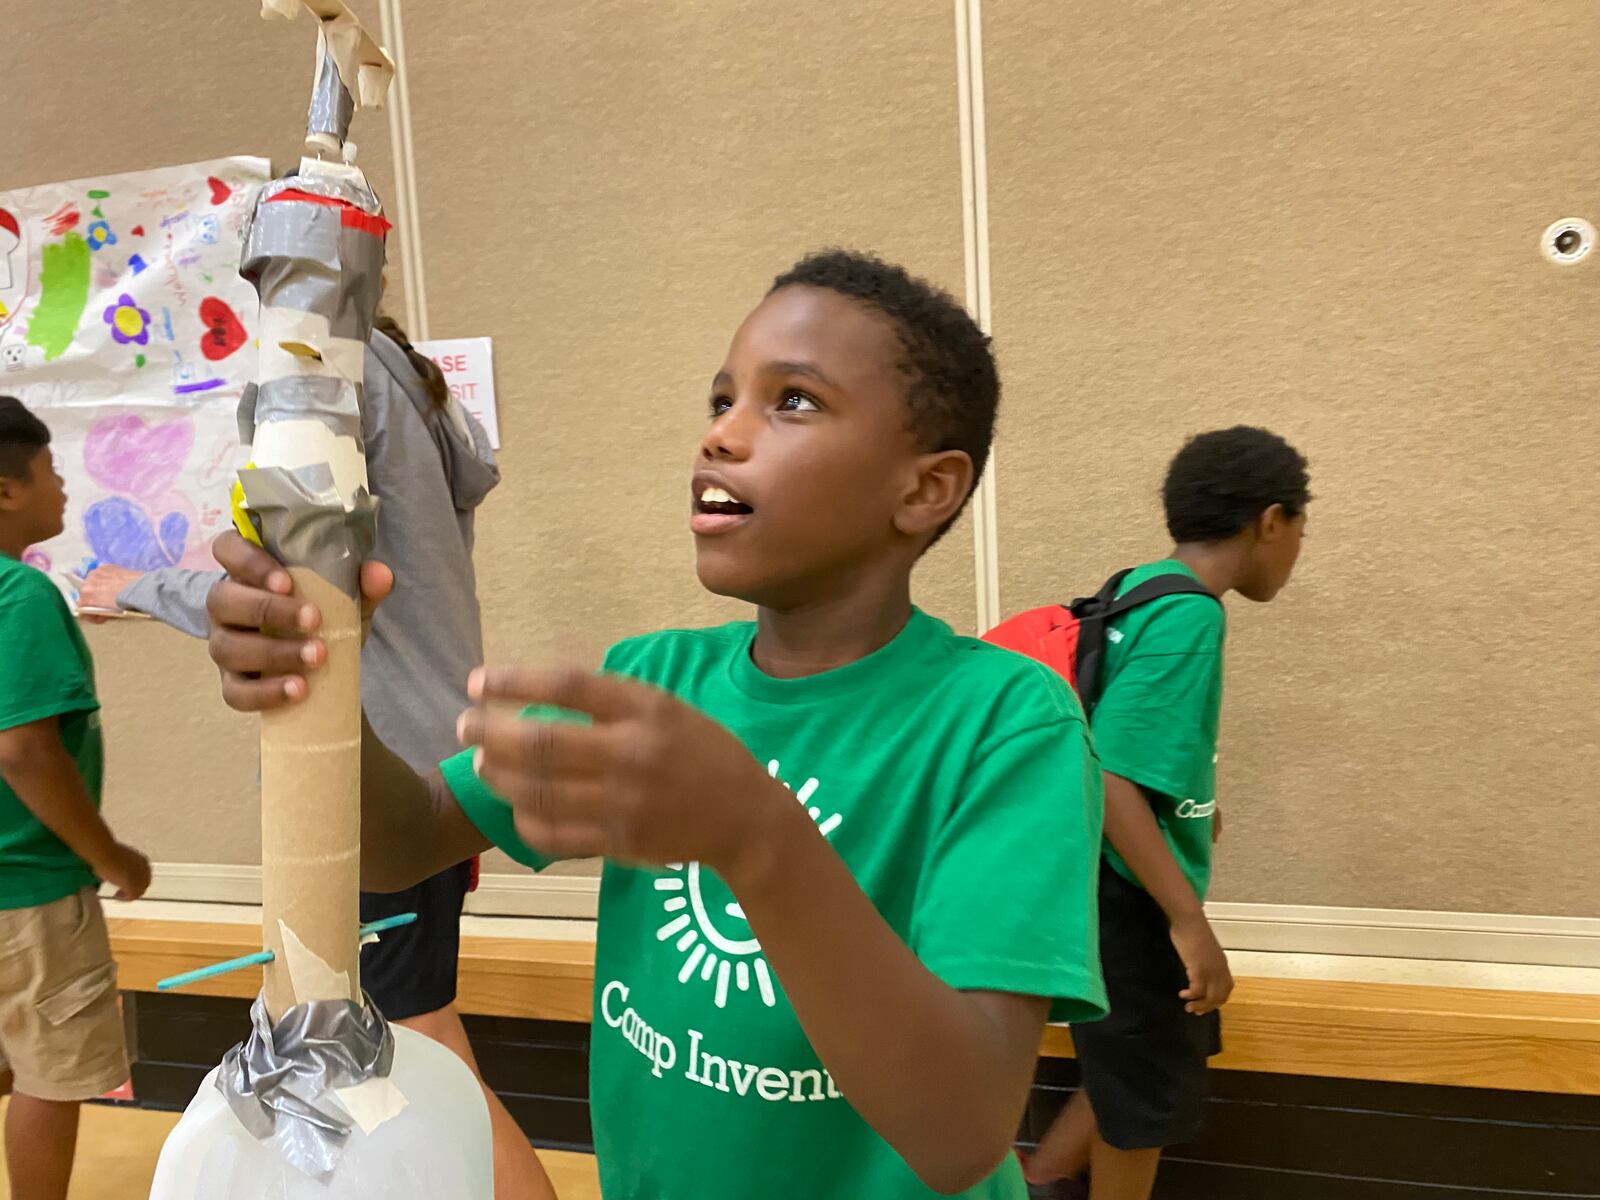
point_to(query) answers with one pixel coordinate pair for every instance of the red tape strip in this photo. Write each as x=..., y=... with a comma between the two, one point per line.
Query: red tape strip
x=349, y=215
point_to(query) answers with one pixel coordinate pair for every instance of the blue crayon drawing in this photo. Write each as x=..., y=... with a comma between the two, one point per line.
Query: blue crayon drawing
x=119, y=532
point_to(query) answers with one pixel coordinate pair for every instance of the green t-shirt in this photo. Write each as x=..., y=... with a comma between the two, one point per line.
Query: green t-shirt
x=955, y=780
x=45, y=671
x=1159, y=709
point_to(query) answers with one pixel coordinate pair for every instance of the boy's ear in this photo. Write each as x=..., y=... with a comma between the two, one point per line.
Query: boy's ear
x=937, y=490
x=10, y=494
x=1271, y=524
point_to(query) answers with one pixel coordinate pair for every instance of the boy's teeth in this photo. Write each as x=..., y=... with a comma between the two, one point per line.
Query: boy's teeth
x=715, y=495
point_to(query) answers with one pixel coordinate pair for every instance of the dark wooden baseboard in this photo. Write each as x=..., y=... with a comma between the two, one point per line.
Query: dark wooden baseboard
x=1269, y=1136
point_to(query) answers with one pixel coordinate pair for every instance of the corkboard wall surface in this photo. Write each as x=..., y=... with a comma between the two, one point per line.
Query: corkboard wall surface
x=1324, y=218
x=608, y=209
x=1321, y=218
x=608, y=202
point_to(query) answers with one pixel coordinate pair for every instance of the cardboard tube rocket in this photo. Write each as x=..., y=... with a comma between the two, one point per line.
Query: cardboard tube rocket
x=323, y=1098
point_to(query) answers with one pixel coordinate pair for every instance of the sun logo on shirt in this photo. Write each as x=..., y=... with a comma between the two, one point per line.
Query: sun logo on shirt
x=710, y=928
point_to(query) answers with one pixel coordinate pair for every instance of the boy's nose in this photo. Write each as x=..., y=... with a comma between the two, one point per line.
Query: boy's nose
x=730, y=436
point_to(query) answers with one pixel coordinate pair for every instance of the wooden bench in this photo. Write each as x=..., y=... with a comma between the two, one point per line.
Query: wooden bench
x=1527, y=1041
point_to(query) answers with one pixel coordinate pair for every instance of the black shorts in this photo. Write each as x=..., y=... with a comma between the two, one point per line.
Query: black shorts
x=1144, y=1066
x=412, y=970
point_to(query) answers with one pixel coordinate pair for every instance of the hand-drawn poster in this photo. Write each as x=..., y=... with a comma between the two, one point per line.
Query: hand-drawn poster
x=125, y=326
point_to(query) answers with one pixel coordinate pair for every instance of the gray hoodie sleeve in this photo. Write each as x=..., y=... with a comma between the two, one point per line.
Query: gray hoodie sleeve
x=174, y=596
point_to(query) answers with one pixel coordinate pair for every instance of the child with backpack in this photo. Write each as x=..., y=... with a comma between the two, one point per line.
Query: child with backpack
x=1146, y=656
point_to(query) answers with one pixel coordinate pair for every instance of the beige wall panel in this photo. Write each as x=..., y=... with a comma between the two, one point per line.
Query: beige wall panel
x=122, y=88
x=606, y=189
x=1324, y=218
x=182, y=771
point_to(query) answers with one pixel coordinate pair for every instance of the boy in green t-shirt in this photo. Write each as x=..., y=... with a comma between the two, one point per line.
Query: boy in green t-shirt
x=1236, y=507
x=851, y=857
x=60, y=1029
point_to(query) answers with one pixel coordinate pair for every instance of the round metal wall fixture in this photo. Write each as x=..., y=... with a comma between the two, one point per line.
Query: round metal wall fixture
x=1567, y=241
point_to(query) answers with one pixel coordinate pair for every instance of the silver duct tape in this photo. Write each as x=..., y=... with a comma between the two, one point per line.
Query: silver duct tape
x=329, y=186
x=331, y=105
x=303, y=522
x=279, y=1081
x=361, y=258
x=334, y=402
x=246, y=415
x=300, y=255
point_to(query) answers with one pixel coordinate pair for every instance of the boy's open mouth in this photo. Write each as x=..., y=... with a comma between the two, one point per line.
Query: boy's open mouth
x=716, y=510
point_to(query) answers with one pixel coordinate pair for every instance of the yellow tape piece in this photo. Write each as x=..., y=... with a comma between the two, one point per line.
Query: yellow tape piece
x=241, y=514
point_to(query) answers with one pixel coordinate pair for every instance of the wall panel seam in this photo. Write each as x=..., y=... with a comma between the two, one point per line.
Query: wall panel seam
x=975, y=247
x=408, y=219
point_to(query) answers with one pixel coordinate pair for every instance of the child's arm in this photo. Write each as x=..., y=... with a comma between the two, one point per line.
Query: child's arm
x=36, y=765
x=1132, y=831
x=411, y=825
x=174, y=596
x=941, y=1073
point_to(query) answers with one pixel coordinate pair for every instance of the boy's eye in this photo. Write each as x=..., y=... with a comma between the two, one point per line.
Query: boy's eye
x=798, y=402
x=720, y=405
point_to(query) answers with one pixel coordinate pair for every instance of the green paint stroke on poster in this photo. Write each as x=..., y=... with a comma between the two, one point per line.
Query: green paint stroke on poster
x=97, y=194
x=64, y=291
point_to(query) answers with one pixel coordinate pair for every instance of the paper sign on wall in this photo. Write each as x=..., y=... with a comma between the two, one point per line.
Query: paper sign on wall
x=468, y=366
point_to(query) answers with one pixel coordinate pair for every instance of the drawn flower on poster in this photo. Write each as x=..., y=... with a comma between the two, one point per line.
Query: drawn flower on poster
x=129, y=323
x=99, y=234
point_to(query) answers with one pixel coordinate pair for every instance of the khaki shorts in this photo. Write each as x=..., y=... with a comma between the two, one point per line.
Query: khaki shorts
x=60, y=1025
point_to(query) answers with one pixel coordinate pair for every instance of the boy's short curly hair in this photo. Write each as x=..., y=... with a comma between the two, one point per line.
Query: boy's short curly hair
x=1221, y=482
x=953, y=390
x=22, y=436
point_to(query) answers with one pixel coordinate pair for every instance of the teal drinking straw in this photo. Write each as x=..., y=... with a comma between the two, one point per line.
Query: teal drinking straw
x=265, y=956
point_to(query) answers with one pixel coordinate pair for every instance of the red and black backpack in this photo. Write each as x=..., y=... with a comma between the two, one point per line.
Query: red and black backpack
x=1071, y=638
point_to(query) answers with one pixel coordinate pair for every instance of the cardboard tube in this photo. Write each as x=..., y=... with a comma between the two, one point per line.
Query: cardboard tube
x=311, y=813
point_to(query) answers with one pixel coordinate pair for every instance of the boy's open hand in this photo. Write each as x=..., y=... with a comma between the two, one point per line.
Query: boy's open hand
x=650, y=781
x=262, y=639
x=1205, y=961
x=100, y=590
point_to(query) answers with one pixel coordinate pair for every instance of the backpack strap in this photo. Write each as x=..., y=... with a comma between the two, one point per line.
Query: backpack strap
x=1095, y=612
x=1092, y=605
x=1154, y=589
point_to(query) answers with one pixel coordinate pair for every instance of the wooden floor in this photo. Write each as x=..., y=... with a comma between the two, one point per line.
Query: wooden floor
x=117, y=1150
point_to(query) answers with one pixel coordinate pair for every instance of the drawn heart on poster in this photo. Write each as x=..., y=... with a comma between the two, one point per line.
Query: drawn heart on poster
x=123, y=454
x=119, y=532
x=224, y=331
x=219, y=190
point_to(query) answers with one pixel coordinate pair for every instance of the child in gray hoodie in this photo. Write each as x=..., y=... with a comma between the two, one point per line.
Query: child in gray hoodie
x=430, y=465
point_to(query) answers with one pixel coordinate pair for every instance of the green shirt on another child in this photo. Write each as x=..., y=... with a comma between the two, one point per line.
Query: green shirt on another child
x=956, y=782
x=1158, y=714
x=45, y=671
